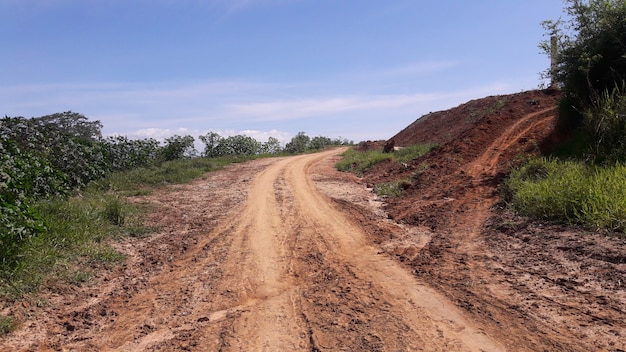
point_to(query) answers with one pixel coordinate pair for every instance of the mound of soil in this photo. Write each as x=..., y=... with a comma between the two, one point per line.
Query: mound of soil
x=550, y=283
x=463, y=134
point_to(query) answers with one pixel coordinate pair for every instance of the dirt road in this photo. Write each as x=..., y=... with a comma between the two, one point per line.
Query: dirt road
x=270, y=264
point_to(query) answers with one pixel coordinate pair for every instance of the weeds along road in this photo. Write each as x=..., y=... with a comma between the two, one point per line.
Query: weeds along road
x=284, y=269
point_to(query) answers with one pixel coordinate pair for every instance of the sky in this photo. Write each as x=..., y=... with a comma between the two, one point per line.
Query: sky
x=356, y=69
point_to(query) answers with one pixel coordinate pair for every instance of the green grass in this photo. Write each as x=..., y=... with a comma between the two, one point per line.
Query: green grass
x=570, y=191
x=358, y=162
x=7, y=325
x=141, y=181
x=412, y=152
x=78, y=231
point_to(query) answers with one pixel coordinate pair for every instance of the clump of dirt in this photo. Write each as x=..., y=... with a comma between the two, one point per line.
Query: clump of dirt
x=551, y=283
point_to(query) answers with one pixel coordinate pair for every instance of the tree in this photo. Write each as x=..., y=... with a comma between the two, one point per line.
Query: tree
x=591, y=69
x=72, y=124
x=239, y=145
x=272, y=146
x=298, y=144
x=211, y=142
x=592, y=49
x=178, y=147
x=68, y=141
x=216, y=145
x=320, y=142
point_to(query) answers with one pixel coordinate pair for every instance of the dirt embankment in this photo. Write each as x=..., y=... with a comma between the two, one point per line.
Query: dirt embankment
x=555, y=287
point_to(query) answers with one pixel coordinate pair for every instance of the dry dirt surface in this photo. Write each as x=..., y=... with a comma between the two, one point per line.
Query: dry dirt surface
x=289, y=254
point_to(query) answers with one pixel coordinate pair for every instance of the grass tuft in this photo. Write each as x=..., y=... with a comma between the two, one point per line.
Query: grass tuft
x=391, y=189
x=7, y=325
x=570, y=191
x=358, y=162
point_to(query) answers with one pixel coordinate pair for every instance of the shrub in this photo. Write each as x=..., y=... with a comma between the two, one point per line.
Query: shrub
x=7, y=325
x=298, y=144
x=391, y=189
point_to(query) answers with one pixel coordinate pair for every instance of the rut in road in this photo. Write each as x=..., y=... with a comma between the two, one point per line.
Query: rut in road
x=289, y=271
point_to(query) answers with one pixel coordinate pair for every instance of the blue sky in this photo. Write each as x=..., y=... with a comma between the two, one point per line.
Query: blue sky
x=359, y=69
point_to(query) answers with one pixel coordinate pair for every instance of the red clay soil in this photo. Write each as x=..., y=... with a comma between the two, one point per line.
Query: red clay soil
x=554, y=287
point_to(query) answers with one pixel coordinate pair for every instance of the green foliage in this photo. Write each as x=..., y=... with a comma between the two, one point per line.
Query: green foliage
x=592, y=47
x=212, y=143
x=76, y=228
x=7, y=325
x=320, y=142
x=240, y=145
x=272, y=146
x=23, y=177
x=139, y=180
x=114, y=212
x=413, y=152
x=67, y=141
x=125, y=154
x=570, y=191
x=298, y=144
x=178, y=147
x=605, y=126
x=359, y=162
x=218, y=146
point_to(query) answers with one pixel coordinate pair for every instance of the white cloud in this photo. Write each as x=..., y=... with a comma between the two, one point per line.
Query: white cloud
x=310, y=107
x=256, y=109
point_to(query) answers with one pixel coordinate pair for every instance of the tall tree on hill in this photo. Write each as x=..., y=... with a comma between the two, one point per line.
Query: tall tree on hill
x=592, y=48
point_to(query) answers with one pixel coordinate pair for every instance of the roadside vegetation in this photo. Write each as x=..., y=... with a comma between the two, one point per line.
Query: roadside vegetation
x=572, y=191
x=359, y=161
x=585, y=182
x=64, y=189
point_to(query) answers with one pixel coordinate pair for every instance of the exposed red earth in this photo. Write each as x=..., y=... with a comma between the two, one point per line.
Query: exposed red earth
x=289, y=254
